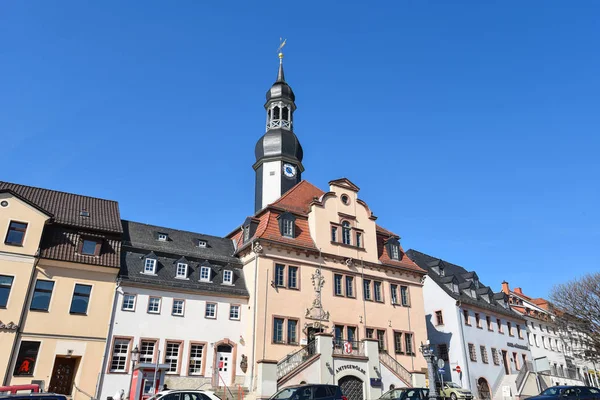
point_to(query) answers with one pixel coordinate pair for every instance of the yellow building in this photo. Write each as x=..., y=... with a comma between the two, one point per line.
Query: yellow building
x=59, y=260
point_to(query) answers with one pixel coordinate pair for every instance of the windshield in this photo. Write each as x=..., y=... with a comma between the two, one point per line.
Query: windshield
x=392, y=394
x=453, y=385
x=284, y=394
x=551, y=392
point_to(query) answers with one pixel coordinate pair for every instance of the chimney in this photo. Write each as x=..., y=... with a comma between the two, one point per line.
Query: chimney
x=518, y=290
x=505, y=287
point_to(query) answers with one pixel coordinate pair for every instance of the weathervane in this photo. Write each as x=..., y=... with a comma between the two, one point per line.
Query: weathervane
x=282, y=42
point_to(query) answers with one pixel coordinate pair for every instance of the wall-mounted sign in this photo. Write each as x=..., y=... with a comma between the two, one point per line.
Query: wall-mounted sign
x=517, y=346
x=348, y=367
x=376, y=382
x=11, y=326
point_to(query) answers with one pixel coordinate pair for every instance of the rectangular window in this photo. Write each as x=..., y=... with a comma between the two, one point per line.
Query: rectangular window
x=535, y=340
x=228, y=277
x=408, y=344
x=495, y=356
x=377, y=290
x=338, y=334
x=477, y=320
x=90, y=247
x=488, y=321
x=349, y=286
x=234, y=312
x=381, y=339
x=466, y=316
x=147, y=351
x=484, y=356
x=337, y=279
x=178, y=307
x=394, y=293
x=369, y=333
x=150, y=266
x=128, y=302
x=443, y=352
x=26, y=359
x=292, y=331
x=163, y=237
x=279, y=275
x=395, y=252
x=120, y=354
x=288, y=227
x=398, y=342
x=196, y=352
x=42, y=293
x=16, y=233
x=358, y=239
x=205, y=274
x=81, y=299
x=172, y=357
x=472, y=353
x=292, y=277
x=278, y=330
x=181, y=270
x=499, y=323
x=509, y=328
x=404, y=296
x=202, y=244
x=519, y=333
x=334, y=233
x=351, y=335
x=367, y=289
x=439, y=318
x=154, y=305
x=211, y=310
x=5, y=286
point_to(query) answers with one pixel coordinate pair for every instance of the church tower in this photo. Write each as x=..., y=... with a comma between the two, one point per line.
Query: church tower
x=278, y=152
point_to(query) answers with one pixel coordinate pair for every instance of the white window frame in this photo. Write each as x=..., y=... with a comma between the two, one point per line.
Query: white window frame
x=202, y=244
x=151, y=264
x=197, y=358
x=395, y=252
x=394, y=293
x=121, y=354
x=143, y=350
x=125, y=296
x=288, y=227
x=177, y=357
x=233, y=307
x=229, y=273
x=185, y=271
x=204, y=270
x=179, y=314
x=163, y=237
x=150, y=302
x=213, y=315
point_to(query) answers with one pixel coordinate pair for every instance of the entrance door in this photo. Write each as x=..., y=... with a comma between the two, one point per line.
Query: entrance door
x=61, y=381
x=224, y=364
x=505, y=361
x=310, y=336
x=484, y=389
x=352, y=387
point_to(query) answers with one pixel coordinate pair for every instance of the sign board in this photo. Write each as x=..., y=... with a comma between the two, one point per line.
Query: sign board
x=541, y=364
x=347, y=347
x=376, y=382
x=441, y=363
x=505, y=391
x=303, y=341
x=458, y=369
x=441, y=370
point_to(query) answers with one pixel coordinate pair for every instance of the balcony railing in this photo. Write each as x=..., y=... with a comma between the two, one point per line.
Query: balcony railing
x=348, y=348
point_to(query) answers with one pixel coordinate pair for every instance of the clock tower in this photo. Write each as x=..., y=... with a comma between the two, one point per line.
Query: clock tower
x=278, y=152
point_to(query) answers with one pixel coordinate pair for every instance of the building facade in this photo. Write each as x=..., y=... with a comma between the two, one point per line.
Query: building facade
x=182, y=301
x=473, y=329
x=59, y=262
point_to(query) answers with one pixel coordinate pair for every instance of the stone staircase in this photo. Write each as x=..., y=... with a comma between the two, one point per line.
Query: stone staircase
x=397, y=369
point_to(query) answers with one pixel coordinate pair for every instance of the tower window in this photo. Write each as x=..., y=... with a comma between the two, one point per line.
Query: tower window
x=285, y=113
x=346, y=239
x=276, y=113
x=287, y=224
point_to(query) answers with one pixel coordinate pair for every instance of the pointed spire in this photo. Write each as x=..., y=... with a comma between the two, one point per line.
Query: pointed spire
x=280, y=76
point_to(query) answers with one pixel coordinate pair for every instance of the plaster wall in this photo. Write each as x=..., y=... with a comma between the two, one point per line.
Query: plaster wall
x=271, y=179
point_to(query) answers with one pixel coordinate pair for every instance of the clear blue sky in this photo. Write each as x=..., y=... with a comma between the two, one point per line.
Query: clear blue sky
x=471, y=127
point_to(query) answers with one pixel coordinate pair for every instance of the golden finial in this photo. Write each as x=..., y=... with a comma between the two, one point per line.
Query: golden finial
x=282, y=42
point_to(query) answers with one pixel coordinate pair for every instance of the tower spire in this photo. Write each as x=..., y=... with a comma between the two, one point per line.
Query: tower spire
x=280, y=75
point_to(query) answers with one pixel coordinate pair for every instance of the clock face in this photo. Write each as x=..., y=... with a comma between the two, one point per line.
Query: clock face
x=289, y=170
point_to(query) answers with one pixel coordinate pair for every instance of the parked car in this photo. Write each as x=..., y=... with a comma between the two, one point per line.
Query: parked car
x=406, y=394
x=309, y=392
x=453, y=391
x=185, y=395
x=569, y=393
x=33, y=396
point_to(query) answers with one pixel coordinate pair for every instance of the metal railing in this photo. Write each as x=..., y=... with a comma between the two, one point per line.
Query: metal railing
x=291, y=361
x=348, y=348
x=523, y=372
x=395, y=366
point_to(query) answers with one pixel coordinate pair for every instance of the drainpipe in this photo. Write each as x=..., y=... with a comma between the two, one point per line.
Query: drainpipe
x=256, y=248
x=19, y=331
x=108, y=341
x=462, y=340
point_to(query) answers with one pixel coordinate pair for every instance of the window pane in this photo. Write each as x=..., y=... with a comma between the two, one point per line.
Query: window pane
x=41, y=295
x=367, y=289
x=349, y=286
x=89, y=247
x=279, y=275
x=278, y=330
x=81, y=297
x=5, y=286
x=378, y=296
x=404, y=295
x=172, y=356
x=119, y=355
x=293, y=277
x=292, y=328
x=26, y=359
x=16, y=233
x=196, y=352
x=338, y=284
x=147, y=351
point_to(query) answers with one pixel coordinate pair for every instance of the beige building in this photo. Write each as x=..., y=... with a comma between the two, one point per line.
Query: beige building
x=59, y=260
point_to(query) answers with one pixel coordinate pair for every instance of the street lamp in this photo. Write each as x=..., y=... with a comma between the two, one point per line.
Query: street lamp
x=135, y=357
x=427, y=351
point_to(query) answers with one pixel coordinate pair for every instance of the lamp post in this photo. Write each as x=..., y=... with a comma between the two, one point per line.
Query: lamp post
x=135, y=356
x=430, y=358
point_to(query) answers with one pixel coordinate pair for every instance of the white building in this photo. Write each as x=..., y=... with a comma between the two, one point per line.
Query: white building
x=181, y=301
x=473, y=330
x=566, y=367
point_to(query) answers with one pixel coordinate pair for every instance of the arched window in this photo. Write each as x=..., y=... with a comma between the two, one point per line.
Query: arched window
x=285, y=113
x=346, y=237
x=276, y=113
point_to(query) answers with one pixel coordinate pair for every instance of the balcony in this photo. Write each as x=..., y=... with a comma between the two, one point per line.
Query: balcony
x=348, y=348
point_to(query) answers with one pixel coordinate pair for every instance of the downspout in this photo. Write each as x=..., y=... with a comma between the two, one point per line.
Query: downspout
x=256, y=248
x=108, y=341
x=462, y=340
x=21, y=319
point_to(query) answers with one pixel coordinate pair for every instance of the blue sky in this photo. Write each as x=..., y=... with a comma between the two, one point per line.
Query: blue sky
x=472, y=128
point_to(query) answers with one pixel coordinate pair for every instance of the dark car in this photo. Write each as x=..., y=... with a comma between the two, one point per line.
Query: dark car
x=406, y=394
x=310, y=392
x=569, y=393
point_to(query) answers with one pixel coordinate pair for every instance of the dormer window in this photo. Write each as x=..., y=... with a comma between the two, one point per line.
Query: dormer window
x=442, y=272
x=287, y=222
x=346, y=233
x=84, y=213
x=393, y=248
x=150, y=266
x=246, y=233
x=473, y=293
x=205, y=274
x=90, y=247
x=202, y=243
x=476, y=281
x=163, y=237
x=182, y=269
x=228, y=277
x=395, y=252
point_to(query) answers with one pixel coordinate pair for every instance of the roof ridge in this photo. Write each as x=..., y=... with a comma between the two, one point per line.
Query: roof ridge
x=293, y=189
x=58, y=191
x=175, y=229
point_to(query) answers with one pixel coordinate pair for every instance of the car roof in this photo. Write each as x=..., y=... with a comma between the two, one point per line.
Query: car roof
x=307, y=384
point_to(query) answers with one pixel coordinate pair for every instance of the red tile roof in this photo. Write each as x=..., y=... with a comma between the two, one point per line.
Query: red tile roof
x=298, y=198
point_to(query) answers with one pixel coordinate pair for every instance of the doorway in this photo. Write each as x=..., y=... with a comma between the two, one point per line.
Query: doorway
x=61, y=381
x=484, y=389
x=352, y=387
x=224, y=366
x=310, y=337
x=505, y=361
